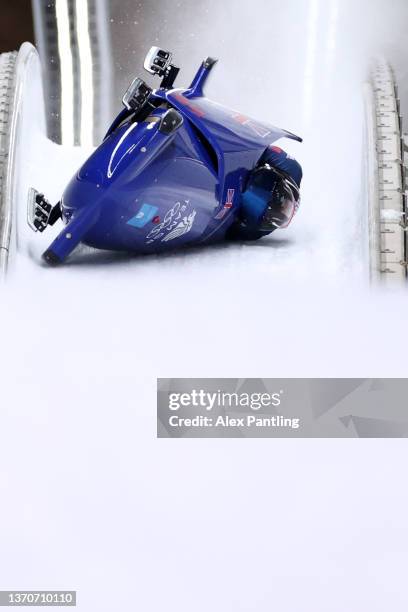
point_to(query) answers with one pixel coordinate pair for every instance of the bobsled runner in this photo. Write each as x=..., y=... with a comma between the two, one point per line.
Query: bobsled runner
x=174, y=168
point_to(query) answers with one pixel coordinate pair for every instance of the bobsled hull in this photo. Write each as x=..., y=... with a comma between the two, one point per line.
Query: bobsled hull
x=143, y=190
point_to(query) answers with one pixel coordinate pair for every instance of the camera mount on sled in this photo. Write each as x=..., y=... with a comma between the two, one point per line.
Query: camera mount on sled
x=158, y=62
x=136, y=95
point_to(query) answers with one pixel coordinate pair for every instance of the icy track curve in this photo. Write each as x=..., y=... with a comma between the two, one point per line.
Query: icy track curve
x=327, y=244
x=8, y=114
x=37, y=161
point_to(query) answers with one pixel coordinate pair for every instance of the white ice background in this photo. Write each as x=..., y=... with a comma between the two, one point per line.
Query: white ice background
x=90, y=499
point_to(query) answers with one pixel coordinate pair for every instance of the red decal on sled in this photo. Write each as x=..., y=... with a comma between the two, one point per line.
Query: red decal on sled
x=197, y=111
x=230, y=197
x=259, y=129
x=242, y=119
x=228, y=204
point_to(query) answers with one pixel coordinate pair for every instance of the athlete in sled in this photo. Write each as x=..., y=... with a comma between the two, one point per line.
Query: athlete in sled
x=174, y=169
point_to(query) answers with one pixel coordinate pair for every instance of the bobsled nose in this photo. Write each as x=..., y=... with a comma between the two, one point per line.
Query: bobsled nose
x=82, y=191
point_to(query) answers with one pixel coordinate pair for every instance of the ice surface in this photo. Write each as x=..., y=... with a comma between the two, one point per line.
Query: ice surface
x=391, y=215
x=90, y=499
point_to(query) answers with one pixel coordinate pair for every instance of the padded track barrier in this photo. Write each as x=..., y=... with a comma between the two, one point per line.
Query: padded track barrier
x=385, y=177
x=7, y=128
x=14, y=68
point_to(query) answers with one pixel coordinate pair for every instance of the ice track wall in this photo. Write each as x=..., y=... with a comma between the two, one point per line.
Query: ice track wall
x=385, y=178
x=385, y=167
x=7, y=133
x=16, y=69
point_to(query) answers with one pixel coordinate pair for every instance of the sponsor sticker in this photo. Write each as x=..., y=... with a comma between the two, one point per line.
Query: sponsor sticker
x=145, y=214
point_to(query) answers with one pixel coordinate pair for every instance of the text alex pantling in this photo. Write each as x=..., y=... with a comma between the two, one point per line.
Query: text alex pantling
x=228, y=422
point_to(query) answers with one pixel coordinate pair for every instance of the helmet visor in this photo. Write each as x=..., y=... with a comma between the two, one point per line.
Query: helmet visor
x=281, y=207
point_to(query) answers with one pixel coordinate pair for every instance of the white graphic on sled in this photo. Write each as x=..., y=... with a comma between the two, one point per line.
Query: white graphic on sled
x=182, y=228
x=173, y=219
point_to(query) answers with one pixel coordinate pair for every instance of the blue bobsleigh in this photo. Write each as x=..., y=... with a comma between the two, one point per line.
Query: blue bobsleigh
x=169, y=172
